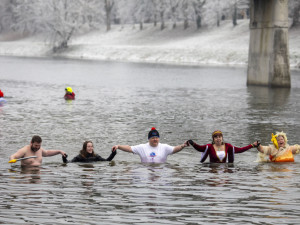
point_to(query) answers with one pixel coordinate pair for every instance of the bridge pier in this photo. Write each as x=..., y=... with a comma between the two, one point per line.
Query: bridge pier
x=268, y=61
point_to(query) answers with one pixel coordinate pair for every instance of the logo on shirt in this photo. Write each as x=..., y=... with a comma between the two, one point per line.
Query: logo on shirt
x=152, y=154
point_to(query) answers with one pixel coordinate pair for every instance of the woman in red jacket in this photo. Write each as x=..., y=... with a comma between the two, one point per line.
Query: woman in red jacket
x=218, y=151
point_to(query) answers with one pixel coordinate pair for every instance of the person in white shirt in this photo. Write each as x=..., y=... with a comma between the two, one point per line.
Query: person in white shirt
x=153, y=151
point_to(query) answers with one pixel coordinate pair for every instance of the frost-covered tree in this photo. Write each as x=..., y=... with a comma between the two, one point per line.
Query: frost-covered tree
x=237, y=8
x=211, y=12
x=109, y=4
x=25, y=16
x=155, y=11
x=198, y=7
x=61, y=19
x=138, y=12
x=234, y=14
x=162, y=11
x=294, y=12
x=174, y=6
x=125, y=9
x=6, y=15
x=91, y=14
x=185, y=6
x=187, y=12
x=145, y=10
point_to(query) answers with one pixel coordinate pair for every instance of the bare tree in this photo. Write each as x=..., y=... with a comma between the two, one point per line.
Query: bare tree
x=162, y=11
x=294, y=7
x=155, y=11
x=24, y=15
x=238, y=9
x=61, y=19
x=6, y=15
x=185, y=8
x=198, y=5
x=109, y=4
x=234, y=14
x=140, y=12
x=174, y=4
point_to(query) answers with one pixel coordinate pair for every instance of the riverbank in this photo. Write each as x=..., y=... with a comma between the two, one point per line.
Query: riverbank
x=220, y=46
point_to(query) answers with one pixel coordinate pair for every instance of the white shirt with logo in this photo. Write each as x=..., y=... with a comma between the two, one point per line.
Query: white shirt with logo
x=149, y=154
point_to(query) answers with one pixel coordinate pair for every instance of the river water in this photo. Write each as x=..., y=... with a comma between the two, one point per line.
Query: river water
x=118, y=103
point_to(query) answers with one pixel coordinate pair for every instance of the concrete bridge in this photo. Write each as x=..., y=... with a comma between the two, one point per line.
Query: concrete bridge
x=268, y=63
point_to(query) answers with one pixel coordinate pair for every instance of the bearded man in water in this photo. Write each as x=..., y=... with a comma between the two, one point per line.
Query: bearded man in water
x=34, y=149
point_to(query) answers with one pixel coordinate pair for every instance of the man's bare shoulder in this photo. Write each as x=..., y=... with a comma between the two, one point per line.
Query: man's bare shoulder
x=22, y=152
x=25, y=149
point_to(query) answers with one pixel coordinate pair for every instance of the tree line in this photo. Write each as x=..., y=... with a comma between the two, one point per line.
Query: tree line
x=59, y=20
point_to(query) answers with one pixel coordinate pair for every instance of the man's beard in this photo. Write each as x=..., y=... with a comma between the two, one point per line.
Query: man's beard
x=34, y=149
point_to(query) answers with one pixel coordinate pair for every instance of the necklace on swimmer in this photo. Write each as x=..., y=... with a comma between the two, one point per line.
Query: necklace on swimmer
x=219, y=148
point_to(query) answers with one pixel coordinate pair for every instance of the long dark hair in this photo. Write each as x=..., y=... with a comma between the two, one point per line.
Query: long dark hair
x=83, y=151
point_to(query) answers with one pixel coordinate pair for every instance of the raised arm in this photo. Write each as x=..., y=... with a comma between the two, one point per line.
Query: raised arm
x=125, y=148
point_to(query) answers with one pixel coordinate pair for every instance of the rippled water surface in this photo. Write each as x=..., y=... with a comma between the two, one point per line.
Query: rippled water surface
x=118, y=103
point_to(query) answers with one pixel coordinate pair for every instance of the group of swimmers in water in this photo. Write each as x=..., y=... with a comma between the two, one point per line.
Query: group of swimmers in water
x=155, y=152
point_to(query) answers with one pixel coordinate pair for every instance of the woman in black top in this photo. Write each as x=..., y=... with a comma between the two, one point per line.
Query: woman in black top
x=87, y=154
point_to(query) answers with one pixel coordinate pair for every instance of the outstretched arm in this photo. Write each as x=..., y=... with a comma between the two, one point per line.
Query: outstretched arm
x=199, y=148
x=178, y=148
x=47, y=153
x=125, y=148
x=267, y=150
x=112, y=155
x=295, y=149
x=243, y=149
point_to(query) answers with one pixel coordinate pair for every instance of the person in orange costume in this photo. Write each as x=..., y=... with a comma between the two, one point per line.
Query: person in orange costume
x=279, y=151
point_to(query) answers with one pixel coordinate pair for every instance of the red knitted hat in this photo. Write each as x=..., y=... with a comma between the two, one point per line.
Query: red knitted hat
x=153, y=133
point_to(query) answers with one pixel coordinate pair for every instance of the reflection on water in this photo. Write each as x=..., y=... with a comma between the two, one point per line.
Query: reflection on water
x=117, y=103
x=273, y=110
x=27, y=174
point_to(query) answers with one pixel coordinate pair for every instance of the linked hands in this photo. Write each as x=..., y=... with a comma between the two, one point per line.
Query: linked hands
x=190, y=142
x=256, y=144
x=114, y=148
x=64, y=158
